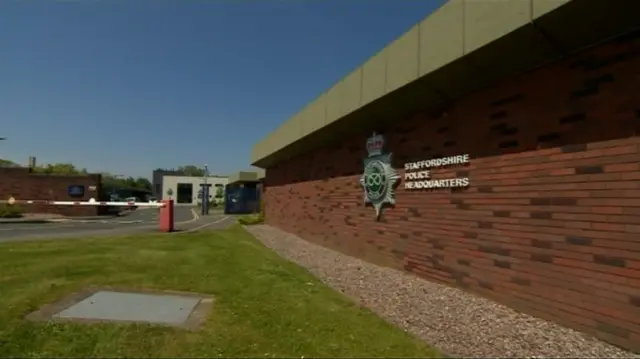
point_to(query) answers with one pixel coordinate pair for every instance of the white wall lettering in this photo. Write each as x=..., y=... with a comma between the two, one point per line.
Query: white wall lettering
x=417, y=175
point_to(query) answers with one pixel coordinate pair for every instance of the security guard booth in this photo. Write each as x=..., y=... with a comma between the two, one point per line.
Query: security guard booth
x=243, y=193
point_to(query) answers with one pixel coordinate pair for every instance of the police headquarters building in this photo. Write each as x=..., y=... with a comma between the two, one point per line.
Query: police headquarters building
x=493, y=147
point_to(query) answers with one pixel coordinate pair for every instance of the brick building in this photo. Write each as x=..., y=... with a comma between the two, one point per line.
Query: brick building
x=543, y=98
x=21, y=184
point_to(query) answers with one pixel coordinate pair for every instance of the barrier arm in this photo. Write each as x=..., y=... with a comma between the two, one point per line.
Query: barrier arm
x=166, y=208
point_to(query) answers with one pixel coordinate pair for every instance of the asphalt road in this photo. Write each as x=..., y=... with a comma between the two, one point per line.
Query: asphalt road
x=142, y=220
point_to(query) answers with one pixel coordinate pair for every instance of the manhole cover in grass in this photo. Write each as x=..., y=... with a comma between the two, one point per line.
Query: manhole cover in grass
x=175, y=309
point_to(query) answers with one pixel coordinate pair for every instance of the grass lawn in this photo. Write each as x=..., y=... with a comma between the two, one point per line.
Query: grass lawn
x=264, y=306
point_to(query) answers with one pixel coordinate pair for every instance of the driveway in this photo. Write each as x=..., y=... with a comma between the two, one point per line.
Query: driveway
x=144, y=220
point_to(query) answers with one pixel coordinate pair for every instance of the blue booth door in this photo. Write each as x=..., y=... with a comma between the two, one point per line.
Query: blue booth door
x=241, y=201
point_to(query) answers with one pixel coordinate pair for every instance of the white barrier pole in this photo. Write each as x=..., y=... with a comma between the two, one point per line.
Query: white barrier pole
x=166, y=220
x=90, y=202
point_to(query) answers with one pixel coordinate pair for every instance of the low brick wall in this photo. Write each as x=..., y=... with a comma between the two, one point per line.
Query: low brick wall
x=23, y=185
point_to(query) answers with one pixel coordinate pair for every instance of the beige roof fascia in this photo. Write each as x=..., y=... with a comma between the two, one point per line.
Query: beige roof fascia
x=464, y=45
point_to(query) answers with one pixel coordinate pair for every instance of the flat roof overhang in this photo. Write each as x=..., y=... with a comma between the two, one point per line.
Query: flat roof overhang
x=246, y=176
x=464, y=46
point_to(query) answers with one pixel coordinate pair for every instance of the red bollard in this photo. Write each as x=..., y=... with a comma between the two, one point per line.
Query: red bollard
x=166, y=216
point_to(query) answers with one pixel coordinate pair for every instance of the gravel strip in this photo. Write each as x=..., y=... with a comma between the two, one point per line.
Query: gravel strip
x=456, y=322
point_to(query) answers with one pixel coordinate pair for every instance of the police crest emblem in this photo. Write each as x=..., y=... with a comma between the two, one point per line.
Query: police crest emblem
x=379, y=177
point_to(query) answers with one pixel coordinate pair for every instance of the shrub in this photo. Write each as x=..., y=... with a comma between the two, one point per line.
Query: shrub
x=10, y=211
x=251, y=219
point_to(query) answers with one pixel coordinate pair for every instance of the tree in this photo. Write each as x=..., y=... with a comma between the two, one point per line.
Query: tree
x=143, y=183
x=129, y=182
x=186, y=170
x=112, y=182
x=7, y=163
x=60, y=168
x=109, y=182
x=191, y=170
x=220, y=192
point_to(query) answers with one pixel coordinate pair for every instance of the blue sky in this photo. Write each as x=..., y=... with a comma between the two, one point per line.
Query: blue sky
x=127, y=86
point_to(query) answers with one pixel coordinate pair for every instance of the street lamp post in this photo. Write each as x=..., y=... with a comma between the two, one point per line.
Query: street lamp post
x=205, y=191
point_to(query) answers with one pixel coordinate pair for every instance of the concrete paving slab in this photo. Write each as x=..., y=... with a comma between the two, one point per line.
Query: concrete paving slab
x=133, y=307
x=95, y=305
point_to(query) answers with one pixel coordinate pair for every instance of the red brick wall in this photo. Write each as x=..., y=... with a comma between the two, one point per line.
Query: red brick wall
x=22, y=185
x=551, y=222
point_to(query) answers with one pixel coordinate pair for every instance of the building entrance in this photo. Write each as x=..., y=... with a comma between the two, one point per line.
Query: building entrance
x=185, y=193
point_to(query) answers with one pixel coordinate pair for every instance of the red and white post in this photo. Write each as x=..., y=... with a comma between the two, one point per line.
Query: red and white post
x=166, y=216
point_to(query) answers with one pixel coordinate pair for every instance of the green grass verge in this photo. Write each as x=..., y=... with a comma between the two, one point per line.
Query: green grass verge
x=11, y=211
x=264, y=306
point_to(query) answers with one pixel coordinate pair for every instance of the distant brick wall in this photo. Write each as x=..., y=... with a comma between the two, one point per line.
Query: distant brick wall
x=22, y=185
x=551, y=222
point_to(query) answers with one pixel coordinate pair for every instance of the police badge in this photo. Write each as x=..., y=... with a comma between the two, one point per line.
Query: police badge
x=379, y=177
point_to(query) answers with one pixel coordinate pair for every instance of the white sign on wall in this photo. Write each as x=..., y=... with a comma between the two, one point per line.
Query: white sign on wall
x=417, y=175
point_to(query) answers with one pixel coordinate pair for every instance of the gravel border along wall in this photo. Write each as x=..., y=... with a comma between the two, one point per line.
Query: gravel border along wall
x=456, y=322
